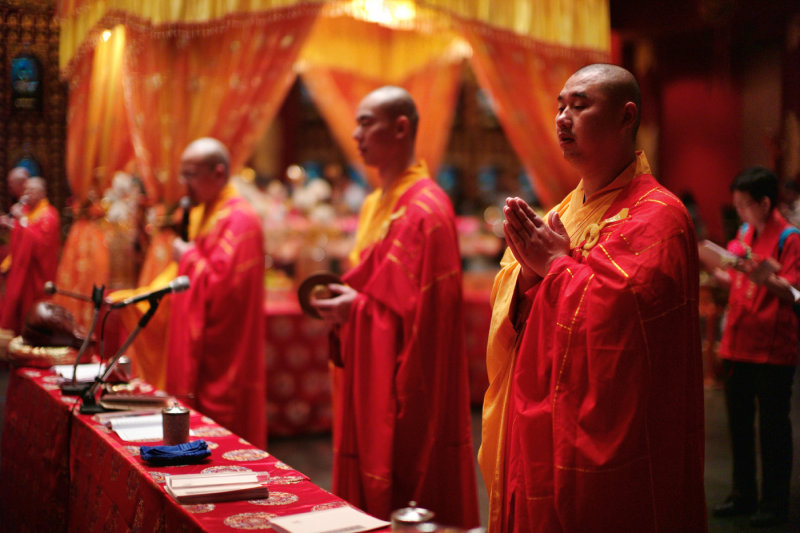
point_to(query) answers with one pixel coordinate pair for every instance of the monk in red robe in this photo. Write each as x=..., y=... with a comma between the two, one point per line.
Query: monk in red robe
x=593, y=420
x=33, y=255
x=401, y=427
x=15, y=184
x=216, y=332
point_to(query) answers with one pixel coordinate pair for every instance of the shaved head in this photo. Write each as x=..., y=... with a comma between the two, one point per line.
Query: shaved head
x=35, y=191
x=616, y=82
x=209, y=151
x=16, y=179
x=395, y=102
x=205, y=169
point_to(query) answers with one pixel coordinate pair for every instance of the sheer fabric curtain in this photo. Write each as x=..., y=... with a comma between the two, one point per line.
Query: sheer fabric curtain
x=98, y=145
x=226, y=80
x=346, y=58
x=523, y=78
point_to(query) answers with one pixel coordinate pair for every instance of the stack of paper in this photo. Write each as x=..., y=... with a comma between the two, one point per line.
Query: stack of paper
x=208, y=488
x=333, y=520
x=129, y=401
x=84, y=373
x=144, y=427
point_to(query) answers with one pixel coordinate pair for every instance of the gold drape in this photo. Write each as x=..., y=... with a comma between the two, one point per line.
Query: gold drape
x=98, y=145
x=226, y=83
x=573, y=23
x=98, y=138
x=524, y=78
x=339, y=71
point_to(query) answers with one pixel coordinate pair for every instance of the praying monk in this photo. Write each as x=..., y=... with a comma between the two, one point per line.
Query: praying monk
x=214, y=350
x=33, y=254
x=401, y=429
x=593, y=420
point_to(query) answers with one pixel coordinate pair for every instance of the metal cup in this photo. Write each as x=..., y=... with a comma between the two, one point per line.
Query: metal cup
x=175, y=424
x=408, y=519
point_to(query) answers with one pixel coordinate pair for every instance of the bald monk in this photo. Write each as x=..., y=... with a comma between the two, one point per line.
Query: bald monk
x=16, y=179
x=593, y=420
x=216, y=342
x=212, y=352
x=33, y=254
x=401, y=422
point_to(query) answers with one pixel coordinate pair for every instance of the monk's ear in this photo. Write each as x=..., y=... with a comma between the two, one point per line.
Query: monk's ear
x=629, y=114
x=402, y=126
x=219, y=171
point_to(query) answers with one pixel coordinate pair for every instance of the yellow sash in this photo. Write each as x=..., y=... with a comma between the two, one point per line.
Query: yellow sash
x=377, y=212
x=581, y=217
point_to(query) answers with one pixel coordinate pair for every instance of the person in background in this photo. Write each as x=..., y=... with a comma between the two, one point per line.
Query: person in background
x=216, y=329
x=593, y=419
x=33, y=254
x=759, y=349
x=401, y=428
x=15, y=180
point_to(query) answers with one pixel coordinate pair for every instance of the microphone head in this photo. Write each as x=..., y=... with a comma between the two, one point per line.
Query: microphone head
x=185, y=202
x=49, y=287
x=179, y=284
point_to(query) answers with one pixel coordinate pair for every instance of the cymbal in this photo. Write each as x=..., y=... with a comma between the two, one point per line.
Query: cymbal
x=315, y=286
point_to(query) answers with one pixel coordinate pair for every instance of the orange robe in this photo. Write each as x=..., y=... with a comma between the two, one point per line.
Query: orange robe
x=593, y=420
x=401, y=423
x=216, y=341
x=33, y=256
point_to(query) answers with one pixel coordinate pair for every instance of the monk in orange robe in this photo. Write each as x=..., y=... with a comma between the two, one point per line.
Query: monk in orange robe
x=593, y=420
x=401, y=427
x=33, y=255
x=216, y=333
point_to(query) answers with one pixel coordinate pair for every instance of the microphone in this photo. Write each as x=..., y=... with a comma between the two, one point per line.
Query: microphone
x=50, y=288
x=179, y=284
x=186, y=204
x=18, y=208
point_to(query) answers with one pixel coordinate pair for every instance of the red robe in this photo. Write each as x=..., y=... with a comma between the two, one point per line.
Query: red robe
x=760, y=327
x=402, y=422
x=605, y=410
x=216, y=340
x=35, y=244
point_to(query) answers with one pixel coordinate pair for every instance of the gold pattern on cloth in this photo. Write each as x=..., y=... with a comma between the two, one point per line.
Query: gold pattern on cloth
x=592, y=233
x=377, y=213
x=580, y=217
x=203, y=217
x=578, y=213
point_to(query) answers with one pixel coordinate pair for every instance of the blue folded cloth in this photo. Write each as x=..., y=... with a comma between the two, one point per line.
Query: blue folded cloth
x=179, y=454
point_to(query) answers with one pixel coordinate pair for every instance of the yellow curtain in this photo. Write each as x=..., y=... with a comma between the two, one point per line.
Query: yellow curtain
x=523, y=78
x=222, y=81
x=580, y=23
x=98, y=139
x=98, y=145
x=84, y=262
x=339, y=70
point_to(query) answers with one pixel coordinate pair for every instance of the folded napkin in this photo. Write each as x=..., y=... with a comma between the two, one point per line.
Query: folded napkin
x=179, y=454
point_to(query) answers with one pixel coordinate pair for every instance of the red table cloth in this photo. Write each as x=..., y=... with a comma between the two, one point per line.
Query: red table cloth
x=298, y=383
x=67, y=472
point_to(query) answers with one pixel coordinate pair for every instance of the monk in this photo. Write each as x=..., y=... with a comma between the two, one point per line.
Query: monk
x=33, y=254
x=401, y=429
x=216, y=331
x=15, y=180
x=593, y=420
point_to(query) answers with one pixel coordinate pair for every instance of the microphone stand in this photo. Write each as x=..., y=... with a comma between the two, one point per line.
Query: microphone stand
x=89, y=404
x=74, y=388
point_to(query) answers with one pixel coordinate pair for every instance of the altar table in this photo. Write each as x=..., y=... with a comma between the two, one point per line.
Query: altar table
x=63, y=471
x=298, y=382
